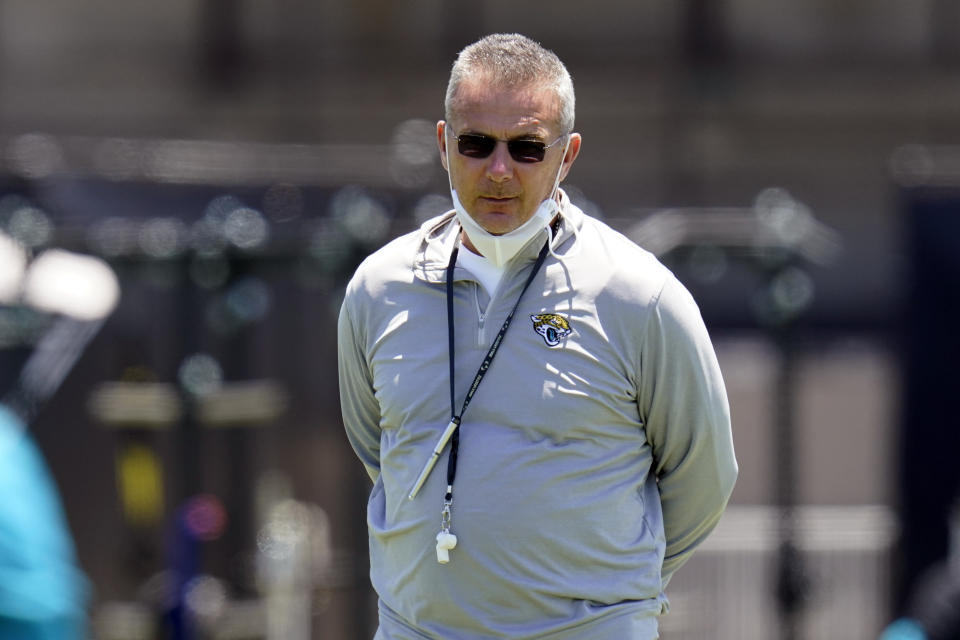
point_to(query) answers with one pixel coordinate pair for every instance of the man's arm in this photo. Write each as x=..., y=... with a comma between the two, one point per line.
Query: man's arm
x=358, y=403
x=687, y=418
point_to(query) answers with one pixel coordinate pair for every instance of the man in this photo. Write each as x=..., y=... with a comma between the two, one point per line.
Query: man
x=546, y=481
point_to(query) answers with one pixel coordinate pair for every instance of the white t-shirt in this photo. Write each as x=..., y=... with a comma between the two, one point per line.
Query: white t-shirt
x=485, y=271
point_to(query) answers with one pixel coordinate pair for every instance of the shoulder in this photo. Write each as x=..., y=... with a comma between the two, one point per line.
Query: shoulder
x=389, y=264
x=624, y=250
x=421, y=254
x=403, y=269
x=627, y=271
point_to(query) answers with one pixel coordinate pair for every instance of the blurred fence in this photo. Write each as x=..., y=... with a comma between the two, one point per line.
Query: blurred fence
x=728, y=589
x=238, y=253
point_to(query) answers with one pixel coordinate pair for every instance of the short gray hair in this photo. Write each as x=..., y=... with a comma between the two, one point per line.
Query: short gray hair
x=512, y=60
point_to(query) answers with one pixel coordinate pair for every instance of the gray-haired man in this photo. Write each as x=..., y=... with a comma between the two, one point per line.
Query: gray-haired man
x=546, y=481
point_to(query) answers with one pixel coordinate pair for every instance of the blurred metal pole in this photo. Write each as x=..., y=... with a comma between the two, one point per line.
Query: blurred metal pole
x=704, y=39
x=945, y=22
x=929, y=439
x=190, y=459
x=241, y=468
x=221, y=43
x=184, y=550
x=791, y=582
x=51, y=361
x=688, y=94
x=461, y=27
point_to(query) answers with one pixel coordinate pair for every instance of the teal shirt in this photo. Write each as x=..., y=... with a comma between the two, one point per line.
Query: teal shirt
x=42, y=592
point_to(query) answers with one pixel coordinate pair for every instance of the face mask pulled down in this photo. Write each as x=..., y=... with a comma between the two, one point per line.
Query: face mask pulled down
x=499, y=249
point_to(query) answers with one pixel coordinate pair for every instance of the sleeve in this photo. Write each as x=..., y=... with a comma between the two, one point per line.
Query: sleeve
x=358, y=403
x=684, y=405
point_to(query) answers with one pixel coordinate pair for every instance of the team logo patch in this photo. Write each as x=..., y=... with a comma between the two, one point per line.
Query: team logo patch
x=552, y=326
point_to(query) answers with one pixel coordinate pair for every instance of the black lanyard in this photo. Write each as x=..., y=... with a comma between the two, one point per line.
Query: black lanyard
x=484, y=366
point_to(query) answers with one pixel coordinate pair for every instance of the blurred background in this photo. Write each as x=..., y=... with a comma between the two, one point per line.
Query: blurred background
x=231, y=162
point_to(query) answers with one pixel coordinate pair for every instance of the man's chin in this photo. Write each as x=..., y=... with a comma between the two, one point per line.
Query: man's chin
x=497, y=223
x=497, y=218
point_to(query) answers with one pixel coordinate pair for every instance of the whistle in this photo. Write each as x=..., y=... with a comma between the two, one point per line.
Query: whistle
x=445, y=542
x=428, y=467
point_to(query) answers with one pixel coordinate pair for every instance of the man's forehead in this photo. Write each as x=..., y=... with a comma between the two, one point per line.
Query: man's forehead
x=529, y=105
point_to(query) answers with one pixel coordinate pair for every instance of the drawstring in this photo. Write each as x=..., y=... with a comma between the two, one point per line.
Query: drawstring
x=554, y=236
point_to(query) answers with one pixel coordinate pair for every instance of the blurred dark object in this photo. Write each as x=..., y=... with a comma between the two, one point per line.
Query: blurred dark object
x=936, y=602
x=221, y=45
x=946, y=45
x=704, y=39
x=933, y=612
x=930, y=434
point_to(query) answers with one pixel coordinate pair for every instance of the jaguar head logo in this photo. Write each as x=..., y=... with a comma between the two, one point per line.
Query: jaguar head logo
x=552, y=327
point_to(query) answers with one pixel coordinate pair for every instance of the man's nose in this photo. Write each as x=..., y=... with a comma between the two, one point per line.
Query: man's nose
x=500, y=164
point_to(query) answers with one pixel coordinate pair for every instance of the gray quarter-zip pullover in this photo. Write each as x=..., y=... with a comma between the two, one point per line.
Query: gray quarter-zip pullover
x=594, y=458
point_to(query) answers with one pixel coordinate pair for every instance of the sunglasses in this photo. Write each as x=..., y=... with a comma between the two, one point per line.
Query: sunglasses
x=478, y=145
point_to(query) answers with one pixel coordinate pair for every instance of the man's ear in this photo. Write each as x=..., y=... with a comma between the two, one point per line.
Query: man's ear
x=573, y=150
x=442, y=143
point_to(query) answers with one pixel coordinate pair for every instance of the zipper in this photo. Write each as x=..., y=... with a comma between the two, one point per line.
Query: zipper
x=481, y=314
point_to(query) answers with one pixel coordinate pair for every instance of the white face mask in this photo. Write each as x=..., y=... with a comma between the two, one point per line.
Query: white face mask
x=498, y=249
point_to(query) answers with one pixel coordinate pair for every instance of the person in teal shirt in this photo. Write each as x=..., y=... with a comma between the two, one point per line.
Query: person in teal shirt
x=43, y=593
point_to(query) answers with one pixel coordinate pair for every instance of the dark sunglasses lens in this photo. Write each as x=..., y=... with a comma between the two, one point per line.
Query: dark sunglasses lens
x=474, y=146
x=527, y=150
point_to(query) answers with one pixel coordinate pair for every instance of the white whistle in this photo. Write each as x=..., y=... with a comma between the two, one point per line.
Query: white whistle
x=445, y=542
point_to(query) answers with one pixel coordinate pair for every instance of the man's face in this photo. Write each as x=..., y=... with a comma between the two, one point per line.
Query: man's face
x=499, y=192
